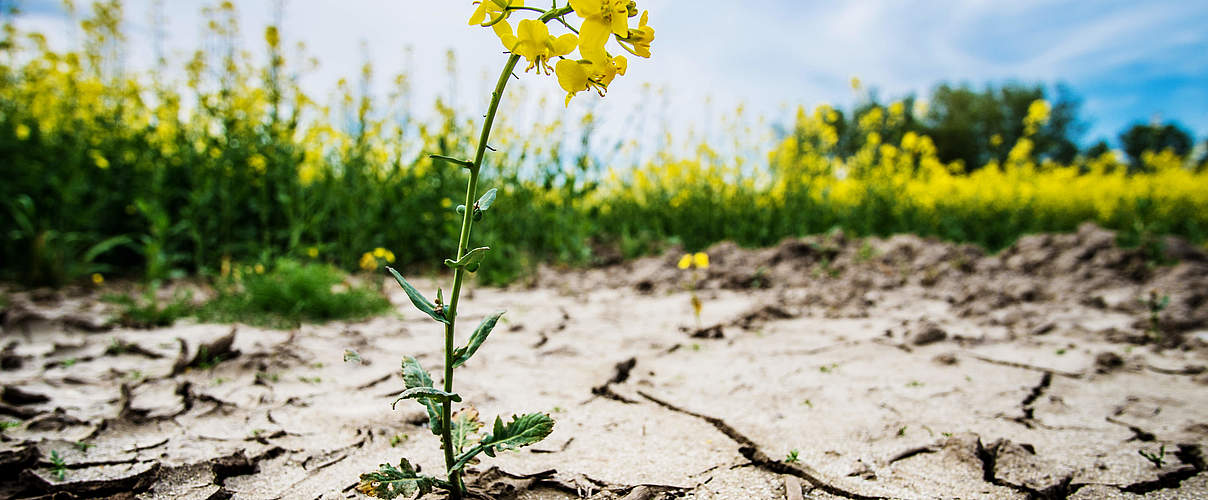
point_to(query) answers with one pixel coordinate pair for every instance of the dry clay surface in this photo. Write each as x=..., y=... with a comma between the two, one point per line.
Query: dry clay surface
x=825, y=367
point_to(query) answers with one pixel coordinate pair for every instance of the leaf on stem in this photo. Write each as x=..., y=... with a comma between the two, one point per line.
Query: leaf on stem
x=465, y=425
x=418, y=299
x=521, y=431
x=455, y=161
x=415, y=376
x=427, y=393
x=470, y=260
x=462, y=354
x=390, y=481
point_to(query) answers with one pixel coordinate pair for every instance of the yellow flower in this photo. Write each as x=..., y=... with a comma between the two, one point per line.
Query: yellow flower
x=22, y=132
x=685, y=262
x=638, y=41
x=535, y=43
x=493, y=8
x=259, y=268
x=313, y=252
x=600, y=19
x=97, y=279
x=701, y=260
x=258, y=163
x=577, y=76
x=368, y=263
x=996, y=140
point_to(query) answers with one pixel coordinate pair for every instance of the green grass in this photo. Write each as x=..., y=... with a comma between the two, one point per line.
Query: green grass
x=147, y=311
x=291, y=293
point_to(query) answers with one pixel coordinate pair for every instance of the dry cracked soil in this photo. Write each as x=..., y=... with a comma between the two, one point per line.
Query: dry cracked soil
x=824, y=367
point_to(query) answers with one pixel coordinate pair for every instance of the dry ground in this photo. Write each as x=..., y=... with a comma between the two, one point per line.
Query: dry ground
x=895, y=368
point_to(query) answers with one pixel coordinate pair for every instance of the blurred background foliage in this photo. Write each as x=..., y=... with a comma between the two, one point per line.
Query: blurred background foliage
x=107, y=170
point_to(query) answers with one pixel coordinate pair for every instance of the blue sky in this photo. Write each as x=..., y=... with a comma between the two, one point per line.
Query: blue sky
x=1128, y=60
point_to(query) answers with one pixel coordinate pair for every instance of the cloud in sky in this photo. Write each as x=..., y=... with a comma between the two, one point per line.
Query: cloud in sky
x=1128, y=60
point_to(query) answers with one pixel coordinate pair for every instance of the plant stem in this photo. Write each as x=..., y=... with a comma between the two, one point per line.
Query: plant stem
x=459, y=274
x=463, y=242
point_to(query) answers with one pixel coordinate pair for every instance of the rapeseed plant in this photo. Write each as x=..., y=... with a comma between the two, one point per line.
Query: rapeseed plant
x=460, y=432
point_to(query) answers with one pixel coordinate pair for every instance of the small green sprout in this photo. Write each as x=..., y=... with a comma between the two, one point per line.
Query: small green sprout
x=866, y=252
x=792, y=457
x=58, y=466
x=1157, y=459
x=83, y=447
x=351, y=356
x=69, y=362
x=828, y=368
x=9, y=424
x=1061, y=351
x=902, y=431
x=914, y=383
x=397, y=439
x=808, y=403
x=310, y=380
x=696, y=262
x=1155, y=303
x=265, y=377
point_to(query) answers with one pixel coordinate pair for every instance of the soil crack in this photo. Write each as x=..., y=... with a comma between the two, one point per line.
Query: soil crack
x=751, y=451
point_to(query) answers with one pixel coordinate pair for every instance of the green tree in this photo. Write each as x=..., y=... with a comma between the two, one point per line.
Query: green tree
x=1154, y=137
x=977, y=127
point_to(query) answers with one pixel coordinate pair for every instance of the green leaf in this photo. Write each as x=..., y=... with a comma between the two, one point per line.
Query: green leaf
x=484, y=202
x=465, y=425
x=462, y=354
x=470, y=260
x=418, y=299
x=520, y=432
x=390, y=481
x=455, y=161
x=414, y=376
x=429, y=393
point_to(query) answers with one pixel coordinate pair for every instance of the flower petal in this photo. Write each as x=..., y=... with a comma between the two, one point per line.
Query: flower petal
x=565, y=44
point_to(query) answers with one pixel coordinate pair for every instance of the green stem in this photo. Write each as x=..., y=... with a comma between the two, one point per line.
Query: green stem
x=459, y=274
x=463, y=242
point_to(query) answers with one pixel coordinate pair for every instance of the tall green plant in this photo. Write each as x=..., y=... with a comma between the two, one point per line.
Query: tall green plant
x=459, y=432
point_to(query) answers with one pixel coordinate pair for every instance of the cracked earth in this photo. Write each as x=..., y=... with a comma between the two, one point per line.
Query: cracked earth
x=885, y=368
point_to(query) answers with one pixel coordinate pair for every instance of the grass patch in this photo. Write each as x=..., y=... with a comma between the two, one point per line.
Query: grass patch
x=147, y=311
x=290, y=293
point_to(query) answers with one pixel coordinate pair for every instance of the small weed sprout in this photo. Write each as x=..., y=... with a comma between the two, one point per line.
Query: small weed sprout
x=1155, y=303
x=792, y=457
x=9, y=424
x=695, y=262
x=58, y=467
x=592, y=70
x=83, y=447
x=1157, y=459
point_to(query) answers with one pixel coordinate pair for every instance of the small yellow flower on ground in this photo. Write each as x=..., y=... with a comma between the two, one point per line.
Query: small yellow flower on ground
x=313, y=252
x=259, y=268
x=368, y=263
x=701, y=260
x=685, y=262
x=97, y=279
x=22, y=132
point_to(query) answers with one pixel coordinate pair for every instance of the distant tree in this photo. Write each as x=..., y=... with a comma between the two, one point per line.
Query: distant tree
x=1155, y=137
x=979, y=126
x=1097, y=149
